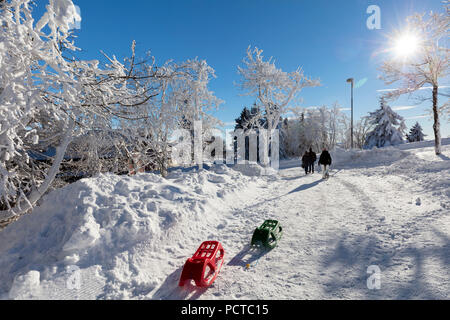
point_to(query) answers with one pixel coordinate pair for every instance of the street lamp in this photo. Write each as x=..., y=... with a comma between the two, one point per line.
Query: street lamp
x=351, y=80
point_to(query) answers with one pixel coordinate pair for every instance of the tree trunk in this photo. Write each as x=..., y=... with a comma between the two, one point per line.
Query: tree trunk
x=437, y=125
x=198, y=144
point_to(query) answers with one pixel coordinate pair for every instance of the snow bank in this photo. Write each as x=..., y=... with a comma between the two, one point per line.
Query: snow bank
x=416, y=162
x=384, y=156
x=116, y=233
x=254, y=170
x=366, y=158
x=422, y=144
x=25, y=286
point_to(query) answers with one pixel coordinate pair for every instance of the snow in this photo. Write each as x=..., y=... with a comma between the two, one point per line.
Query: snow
x=252, y=169
x=65, y=14
x=128, y=237
x=117, y=224
x=24, y=286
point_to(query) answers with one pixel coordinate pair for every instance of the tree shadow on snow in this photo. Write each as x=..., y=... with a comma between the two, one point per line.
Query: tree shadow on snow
x=444, y=157
x=344, y=268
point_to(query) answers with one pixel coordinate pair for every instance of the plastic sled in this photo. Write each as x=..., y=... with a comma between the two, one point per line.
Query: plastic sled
x=205, y=265
x=268, y=234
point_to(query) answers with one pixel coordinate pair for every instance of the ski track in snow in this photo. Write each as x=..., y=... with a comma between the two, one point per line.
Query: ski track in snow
x=371, y=213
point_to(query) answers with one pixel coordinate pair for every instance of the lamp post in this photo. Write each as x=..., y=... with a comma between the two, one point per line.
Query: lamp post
x=351, y=80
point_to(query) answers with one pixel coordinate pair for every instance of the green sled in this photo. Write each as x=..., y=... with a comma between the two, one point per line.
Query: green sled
x=268, y=234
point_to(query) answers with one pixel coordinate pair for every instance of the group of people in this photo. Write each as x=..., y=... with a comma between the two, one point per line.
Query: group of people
x=309, y=159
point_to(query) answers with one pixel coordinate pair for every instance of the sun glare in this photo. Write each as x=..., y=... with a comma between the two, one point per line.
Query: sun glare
x=406, y=45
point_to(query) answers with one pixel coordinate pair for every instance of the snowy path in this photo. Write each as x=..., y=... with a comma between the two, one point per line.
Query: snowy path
x=333, y=231
x=129, y=237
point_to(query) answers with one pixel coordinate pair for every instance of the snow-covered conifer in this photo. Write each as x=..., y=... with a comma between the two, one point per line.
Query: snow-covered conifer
x=416, y=134
x=388, y=128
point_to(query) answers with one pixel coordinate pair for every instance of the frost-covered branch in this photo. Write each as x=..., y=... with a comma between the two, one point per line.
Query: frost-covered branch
x=47, y=97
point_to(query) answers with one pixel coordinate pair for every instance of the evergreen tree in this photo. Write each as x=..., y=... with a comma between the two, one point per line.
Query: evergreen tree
x=249, y=119
x=389, y=128
x=416, y=134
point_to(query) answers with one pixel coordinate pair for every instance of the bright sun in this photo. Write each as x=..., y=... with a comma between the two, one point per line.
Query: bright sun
x=406, y=45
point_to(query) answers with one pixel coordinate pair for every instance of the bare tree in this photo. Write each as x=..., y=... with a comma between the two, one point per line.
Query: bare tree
x=427, y=66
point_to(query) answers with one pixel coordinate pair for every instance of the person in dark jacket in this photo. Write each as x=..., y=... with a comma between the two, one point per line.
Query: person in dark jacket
x=313, y=159
x=306, y=162
x=325, y=160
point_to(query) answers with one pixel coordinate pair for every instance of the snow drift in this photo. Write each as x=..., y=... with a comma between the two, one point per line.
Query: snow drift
x=99, y=227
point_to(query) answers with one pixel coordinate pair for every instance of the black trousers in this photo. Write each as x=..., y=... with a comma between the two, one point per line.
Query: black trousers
x=311, y=167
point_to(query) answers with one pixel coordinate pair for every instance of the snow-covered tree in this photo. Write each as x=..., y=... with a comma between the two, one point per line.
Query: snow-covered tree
x=160, y=116
x=314, y=128
x=272, y=88
x=427, y=66
x=31, y=69
x=47, y=98
x=324, y=127
x=292, y=136
x=334, y=124
x=361, y=130
x=198, y=101
x=416, y=134
x=180, y=98
x=388, y=128
x=193, y=90
x=250, y=119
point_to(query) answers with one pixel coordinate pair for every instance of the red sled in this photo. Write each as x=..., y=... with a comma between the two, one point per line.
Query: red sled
x=205, y=265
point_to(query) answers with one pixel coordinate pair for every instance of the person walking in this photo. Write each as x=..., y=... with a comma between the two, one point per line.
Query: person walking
x=313, y=159
x=306, y=162
x=325, y=160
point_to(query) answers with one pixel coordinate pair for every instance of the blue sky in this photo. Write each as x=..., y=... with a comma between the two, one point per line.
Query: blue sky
x=329, y=39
